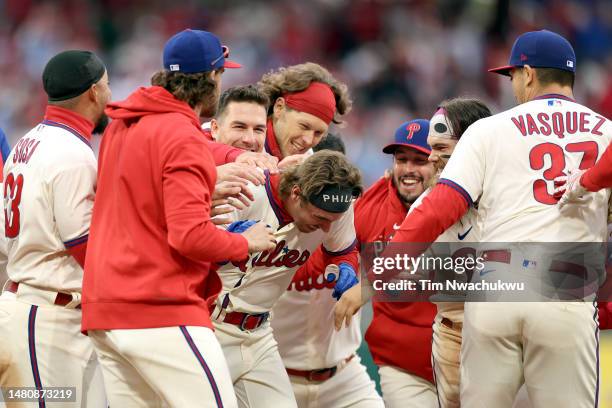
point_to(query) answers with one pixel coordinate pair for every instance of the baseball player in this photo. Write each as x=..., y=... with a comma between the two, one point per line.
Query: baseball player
x=447, y=125
x=49, y=186
x=307, y=206
x=148, y=285
x=5, y=355
x=406, y=377
x=241, y=118
x=305, y=99
x=551, y=347
x=322, y=364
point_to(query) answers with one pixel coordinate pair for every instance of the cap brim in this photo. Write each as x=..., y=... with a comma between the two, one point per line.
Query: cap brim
x=390, y=149
x=231, y=64
x=505, y=70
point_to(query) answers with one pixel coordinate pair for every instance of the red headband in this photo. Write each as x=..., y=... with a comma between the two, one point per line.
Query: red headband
x=318, y=100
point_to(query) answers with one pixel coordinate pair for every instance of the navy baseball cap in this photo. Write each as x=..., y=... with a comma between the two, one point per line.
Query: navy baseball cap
x=411, y=134
x=540, y=49
x=192, y=51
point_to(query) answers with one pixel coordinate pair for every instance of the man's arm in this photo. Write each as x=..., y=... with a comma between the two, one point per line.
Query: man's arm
x=600, y=175
x=188, y=181
x=223, y=153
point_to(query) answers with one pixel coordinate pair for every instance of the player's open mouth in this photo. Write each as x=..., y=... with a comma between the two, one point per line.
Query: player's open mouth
x=410, y=181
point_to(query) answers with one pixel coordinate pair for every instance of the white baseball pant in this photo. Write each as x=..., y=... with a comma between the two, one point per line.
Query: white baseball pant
x=402, y=389
x=41, y=346
x=180, y=366
x=350, y=387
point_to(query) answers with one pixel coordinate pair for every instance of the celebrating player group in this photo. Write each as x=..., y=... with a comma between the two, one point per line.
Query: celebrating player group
x=217, y=264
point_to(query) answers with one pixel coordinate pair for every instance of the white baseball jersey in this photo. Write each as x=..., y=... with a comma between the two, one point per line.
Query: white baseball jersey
x=49, y=187
x=513, y=158
x=302, y=321
x=3, y=247
x=255, y=284
x=460, y=236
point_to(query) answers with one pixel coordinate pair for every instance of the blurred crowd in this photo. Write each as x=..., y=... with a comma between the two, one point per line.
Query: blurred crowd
x=400, y=58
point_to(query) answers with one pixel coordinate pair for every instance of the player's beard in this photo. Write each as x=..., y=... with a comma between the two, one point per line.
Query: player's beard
x=408, y=198
x=100, y=125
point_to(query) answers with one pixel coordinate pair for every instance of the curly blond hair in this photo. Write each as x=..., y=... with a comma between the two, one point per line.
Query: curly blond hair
x=323, y=168
x=297, y=78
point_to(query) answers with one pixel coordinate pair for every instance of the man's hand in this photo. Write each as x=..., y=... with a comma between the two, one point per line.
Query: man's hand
x=259, y=237
x=350, y=303
x=240, y=172
x=262, y=160
x=227, y=196
x=347, y=278
x=569, y=188
x=239, y=227
x=291, y=161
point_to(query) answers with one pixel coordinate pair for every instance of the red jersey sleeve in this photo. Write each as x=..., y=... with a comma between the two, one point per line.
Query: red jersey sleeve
x=442, y=208
x=188, y=180
x=599, y=176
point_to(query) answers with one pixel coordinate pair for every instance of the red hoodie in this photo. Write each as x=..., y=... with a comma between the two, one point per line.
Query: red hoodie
x=400, y=333
x=221, y=152
x=151, y=239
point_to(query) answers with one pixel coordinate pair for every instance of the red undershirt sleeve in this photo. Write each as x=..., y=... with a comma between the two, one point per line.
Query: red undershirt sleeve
x=442, y=208
x=78, y=252
x=599, y=176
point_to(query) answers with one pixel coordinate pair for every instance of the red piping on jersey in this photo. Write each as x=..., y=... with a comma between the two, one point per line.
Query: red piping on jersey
x=272, y=185
x=70, y=121
x=555, y=96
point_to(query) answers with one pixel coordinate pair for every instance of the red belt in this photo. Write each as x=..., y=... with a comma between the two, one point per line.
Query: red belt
x=62, y=299
x=504, y=256
x=317, y=375
x=246, y=321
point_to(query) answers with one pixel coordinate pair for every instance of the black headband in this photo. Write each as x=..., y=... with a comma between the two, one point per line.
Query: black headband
x=334, y=198
x=70, y=73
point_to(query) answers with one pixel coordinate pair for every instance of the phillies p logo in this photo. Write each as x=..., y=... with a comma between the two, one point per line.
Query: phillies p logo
x=411, y=128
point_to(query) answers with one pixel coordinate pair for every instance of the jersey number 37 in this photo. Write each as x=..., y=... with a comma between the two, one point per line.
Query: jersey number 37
x=13, y=186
